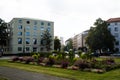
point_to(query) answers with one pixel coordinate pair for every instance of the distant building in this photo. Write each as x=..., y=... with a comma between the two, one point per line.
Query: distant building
x=61, y=40
x=84, y=35
x=114, y=27
x=69, y=44
x=75, y=42
x=26, y=33
x=78, y=40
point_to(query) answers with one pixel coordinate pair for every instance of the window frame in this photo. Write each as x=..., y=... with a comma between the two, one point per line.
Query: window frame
x=20, y=42
x=19, y=48
x=27, y=40
x=20, y=27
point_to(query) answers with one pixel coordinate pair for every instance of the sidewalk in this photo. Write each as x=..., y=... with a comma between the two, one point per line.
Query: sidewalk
x=17, y=74
x=5, y=57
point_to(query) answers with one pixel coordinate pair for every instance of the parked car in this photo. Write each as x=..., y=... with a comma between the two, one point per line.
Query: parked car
x=115, y=54
x=95, y=54
x=106, y=53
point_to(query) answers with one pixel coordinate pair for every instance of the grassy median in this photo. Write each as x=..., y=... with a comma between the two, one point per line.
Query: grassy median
x=71, y=74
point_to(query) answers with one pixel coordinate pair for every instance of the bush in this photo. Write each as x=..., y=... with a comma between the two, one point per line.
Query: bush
x=84, y=64
x=50, y=62
x=40, y=60
x=21, y=59
x=108, y=61
x=15, y=58
x=64, y=64
x=28, y=60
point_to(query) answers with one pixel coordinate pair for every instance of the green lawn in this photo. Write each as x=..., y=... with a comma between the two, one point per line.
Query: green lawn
x=72, y=74
x=2, y=78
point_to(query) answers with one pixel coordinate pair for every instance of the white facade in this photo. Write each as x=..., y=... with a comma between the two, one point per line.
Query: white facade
x=79, y=40
x=25, y=35
x=114, y=27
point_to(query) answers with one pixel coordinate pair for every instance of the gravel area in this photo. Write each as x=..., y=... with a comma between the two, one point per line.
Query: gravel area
x=17, y=74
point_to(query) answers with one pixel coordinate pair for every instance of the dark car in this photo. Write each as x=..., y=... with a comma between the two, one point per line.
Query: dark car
x=95, y=54
x=106, y=53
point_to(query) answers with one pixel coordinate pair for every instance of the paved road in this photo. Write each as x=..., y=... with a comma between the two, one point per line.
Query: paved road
x=17, y=74
x=6, y=57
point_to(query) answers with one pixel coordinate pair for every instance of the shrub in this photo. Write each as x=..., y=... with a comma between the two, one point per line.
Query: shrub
x=29, y=59
x=84, y=64
x=21, y=59
x=64, y=64
x=96, y=64
x=40, y=60
x=15, y=58
x=50, y=62
x=108, y=61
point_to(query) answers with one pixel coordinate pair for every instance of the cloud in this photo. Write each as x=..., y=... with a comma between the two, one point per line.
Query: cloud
x=69, y=16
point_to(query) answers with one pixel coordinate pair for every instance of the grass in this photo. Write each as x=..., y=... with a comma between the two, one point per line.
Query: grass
x=2, y=78
x=71, y=74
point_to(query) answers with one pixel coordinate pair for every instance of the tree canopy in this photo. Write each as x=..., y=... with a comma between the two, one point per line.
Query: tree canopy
x=69, y=45
x=3, y=32
x=46, y=40
x=99, y=37
x=57, y=44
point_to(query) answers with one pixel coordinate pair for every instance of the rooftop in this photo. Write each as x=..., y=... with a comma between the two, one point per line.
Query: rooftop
x=114, y=19
x=31, y=19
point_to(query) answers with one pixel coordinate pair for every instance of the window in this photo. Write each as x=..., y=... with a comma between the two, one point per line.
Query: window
x=27, y=49
x=19, y=40
x=109, y=29
x=42, y=23
x=20, y=27
x=116, y=35
x=27, y=33
x=19, y=48
x=48, y=29
x=34, y=34
x=41, y=28
x=115, y=23
x=27, y=27
x=20, y=21
x=35, y=27
x=34, y=49
x=41, y=34
x=27, y=40
x=19, y=33
x=49, y=24
x=116, y=28
x=34, y=41
x=35, y=22
x=28, y=22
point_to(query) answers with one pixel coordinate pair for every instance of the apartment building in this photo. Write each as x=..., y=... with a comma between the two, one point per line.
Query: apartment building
x=114, y=27
x=26, y=34
x=75, y=42
x=78, y=40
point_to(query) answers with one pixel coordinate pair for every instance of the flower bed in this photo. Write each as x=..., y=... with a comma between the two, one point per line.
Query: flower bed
x=97, y=66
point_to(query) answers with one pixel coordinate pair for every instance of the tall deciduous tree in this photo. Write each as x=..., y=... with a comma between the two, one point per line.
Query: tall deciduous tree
x=46, y=40
x=57, y=44
x=69, y=45
x=99, y=37
x=3, y=33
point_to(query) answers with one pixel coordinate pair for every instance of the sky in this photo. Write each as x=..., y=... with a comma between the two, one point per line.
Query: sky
x=70, y=17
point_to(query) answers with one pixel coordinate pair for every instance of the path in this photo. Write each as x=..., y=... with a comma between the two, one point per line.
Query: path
x=17, y=74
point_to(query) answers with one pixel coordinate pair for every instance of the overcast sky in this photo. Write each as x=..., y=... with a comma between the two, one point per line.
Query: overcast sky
x=70, y=17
